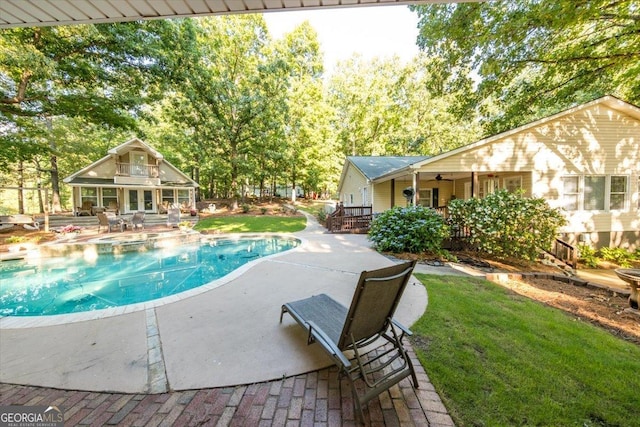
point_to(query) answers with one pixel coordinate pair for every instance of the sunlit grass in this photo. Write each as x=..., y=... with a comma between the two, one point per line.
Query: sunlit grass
x=252, y=224
x=500, y=359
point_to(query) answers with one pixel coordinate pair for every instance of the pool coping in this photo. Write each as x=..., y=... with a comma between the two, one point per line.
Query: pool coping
x=21, y=322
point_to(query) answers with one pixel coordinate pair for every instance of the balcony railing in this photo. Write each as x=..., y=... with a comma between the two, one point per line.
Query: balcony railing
x=129, y=169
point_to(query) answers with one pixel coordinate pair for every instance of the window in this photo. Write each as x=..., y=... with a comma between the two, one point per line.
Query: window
x=594, y=192
x=425, y=197
x=89, y=194
x=489, y=186
x=109, y=197
x=467, y=190
x=570, y=193
x=594, y=187
x=139, y=163
x=168, y=198
x=618, y=193
x=183, y=198
x=512, y=184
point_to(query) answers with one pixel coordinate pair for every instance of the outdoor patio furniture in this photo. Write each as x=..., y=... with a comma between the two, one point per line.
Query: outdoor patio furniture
x=87, y=205
x=173, y=218
x=185, y=207
x=27, y=221
x=98, y=209
x=164, y=207
x=112, y=208
x=137, y=220
x=339, y=330
x=110, y=221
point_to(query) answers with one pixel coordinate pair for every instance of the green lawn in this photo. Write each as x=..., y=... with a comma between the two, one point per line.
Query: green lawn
x=252, y=224
x=500, y=359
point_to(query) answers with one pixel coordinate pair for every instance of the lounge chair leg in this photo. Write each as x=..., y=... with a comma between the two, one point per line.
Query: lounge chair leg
x=357, y=405
x=283, y=310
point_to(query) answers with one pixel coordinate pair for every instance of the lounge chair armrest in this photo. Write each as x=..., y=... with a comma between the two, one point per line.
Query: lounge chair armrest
x=321, y=337
x=403, y=328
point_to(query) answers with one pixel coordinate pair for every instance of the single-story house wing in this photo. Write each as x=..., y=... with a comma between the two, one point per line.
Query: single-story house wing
x=585, y=160
x=132, y=177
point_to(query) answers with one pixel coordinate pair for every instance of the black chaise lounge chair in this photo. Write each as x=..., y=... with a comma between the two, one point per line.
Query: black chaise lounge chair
x=370, y=317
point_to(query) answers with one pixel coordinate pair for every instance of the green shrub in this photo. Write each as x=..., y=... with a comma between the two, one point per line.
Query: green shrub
x=15, y=239
x=245, y=208
x=412, y=229
x=588, y=255
x=508, y=224
x=322, y=216
x=620, y=256
x=263, y=210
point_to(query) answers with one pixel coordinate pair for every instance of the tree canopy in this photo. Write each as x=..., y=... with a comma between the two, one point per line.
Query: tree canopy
x=533, y=58
x=91, y=74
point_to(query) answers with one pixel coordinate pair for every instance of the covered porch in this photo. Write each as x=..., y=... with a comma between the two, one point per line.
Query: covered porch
x=435, y=189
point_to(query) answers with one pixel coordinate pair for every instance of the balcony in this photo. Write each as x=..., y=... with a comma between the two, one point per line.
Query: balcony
x=133, y=174
x=128, y=169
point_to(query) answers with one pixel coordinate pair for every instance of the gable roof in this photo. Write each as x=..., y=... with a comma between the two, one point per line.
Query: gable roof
x=375, y=166
x=608, y=100
x=121, y=149
x=124, y=147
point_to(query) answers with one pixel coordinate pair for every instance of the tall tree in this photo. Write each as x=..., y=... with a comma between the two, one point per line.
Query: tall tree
x=307, y=137
x=100, y=73
x=386, y=108
x=233, y=95
x=535, y=57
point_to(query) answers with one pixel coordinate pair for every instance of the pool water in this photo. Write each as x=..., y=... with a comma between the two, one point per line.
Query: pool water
x=49, y=286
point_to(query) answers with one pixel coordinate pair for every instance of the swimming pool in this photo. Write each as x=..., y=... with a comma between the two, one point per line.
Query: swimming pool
x=62, y=285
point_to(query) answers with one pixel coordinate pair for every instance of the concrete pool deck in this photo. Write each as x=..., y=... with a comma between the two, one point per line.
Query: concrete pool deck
x=223, y=337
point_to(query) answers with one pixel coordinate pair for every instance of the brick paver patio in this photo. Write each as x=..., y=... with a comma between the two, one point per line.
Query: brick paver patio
x=314, y=399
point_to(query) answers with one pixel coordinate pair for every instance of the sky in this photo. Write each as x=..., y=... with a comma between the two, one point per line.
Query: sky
x=381, y=31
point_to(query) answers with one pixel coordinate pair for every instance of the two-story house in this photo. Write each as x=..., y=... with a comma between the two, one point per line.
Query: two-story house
x=132, y=177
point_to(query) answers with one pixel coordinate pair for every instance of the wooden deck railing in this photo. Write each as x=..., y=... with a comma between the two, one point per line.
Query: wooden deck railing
x=350, y=219
x=565, y=253
x=357, y=219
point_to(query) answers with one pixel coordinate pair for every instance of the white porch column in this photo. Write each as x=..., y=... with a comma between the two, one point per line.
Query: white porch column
x=415, y=188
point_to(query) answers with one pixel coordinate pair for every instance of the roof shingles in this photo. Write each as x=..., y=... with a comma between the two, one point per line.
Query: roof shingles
x=375, y=166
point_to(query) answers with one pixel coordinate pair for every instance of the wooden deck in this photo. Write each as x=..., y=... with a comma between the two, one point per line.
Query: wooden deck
x=352, y=219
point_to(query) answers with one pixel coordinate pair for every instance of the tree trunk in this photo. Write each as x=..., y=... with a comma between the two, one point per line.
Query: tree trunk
x=55, y=185
x=293, y=186
x=55, y=177
x=40, y=201
x=196, y=178
x=20, y=187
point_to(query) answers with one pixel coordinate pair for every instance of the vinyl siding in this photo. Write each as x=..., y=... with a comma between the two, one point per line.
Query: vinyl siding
x=592, y=141
x=382, y=197
x=354, y=182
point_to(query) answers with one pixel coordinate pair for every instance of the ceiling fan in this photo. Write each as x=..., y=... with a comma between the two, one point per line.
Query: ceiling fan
x=440, y=178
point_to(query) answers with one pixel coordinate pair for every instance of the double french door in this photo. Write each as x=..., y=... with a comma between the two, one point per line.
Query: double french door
x=139, y=200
